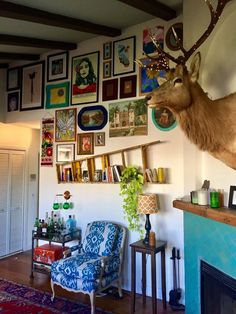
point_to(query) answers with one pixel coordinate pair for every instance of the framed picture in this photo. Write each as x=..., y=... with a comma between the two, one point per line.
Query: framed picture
x=57, y=66
x=128, y=118
x=128, y=85
x=13, y=78
x=85, y=78
x=232, y=197
x=107, y=50
x=57, y=95
x=171, y=42
x=163, y=119
x=109, y=89
x=32, y=89
x=158, y=33
x=85, y=143
x=124, y=56
x=147, y=80
x=106, y=69
x=99, y=139
x=65, y=152
x=65, y=125
x=13, y=101
x=92, y=118
x=97, y=175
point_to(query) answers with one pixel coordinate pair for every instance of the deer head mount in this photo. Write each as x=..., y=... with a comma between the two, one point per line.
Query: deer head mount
x=202, y=119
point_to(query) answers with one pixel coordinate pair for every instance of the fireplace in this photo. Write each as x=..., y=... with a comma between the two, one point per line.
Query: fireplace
x=218, y=291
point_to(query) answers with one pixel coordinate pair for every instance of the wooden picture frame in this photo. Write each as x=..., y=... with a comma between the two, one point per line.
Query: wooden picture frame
x=232, y=197
x=32, y=89
x=65, y=125
x=110, y=89
x=99, y=139
x=57, y=66
x=107, y=50
x=65, y=152
x=85, y=78
x=85, y=143
x=57, y=95
x=128, y=86
x=92, y=118
x=13, y=78
x=106, y=69
x=13, y=101
x=124, y=56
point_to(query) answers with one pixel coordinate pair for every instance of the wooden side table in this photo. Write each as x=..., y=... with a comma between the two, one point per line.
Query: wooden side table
x=140, y=247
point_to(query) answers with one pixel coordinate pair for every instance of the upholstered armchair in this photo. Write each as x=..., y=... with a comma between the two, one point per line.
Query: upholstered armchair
x=98, y=264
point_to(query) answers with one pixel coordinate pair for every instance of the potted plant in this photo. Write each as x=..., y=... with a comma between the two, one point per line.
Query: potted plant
x=130, y=186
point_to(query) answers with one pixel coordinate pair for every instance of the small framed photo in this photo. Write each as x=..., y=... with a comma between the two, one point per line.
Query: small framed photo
x=13, y=101
x=106, y=69
x=65, y=125
x=107, y=50
x=32, y=89
x=99, y=139
x=124, y=56
x=57, y=95
x=13, y=78
x=65, y=152
x=128, y=85
x=97, y=176
x=110, y=89
x=57, y=66
x=232, y=197
x=85, y=143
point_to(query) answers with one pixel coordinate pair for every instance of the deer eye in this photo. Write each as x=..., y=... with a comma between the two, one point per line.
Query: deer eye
x=177, y=81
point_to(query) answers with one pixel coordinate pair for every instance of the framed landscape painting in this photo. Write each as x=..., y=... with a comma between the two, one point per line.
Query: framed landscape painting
x=32, y=90
x=85, y=78
x=92, y=118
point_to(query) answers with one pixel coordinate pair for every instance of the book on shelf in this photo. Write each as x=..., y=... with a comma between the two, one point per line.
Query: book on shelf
x=117, y=170
x=148, y=175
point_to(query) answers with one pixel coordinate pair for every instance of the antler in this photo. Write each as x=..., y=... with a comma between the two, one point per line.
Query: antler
x=215, y=15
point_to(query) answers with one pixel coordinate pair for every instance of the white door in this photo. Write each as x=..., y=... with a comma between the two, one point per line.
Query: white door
x=11, y=200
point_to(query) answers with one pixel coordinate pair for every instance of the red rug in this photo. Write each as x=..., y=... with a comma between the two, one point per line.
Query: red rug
x=19, y=299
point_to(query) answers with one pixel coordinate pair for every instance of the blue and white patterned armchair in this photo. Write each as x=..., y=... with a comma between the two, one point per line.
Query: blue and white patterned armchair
x=97, y=266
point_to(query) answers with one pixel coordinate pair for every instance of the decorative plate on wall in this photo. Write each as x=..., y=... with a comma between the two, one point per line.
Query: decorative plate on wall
x=163, y=119
x=92, y=118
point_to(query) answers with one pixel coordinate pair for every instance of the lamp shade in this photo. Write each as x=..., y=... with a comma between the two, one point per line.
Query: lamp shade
x=147, y=204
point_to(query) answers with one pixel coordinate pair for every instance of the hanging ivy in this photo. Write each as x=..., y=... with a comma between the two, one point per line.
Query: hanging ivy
x=130, y=186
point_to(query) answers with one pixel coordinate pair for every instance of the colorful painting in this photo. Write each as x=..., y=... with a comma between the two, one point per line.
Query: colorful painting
x=65, y=129
x=163, y=119
x=85, y=74
x=124, y=55
x=57, y=95
x=158, y=33
x=92, y=118
x=148, y=78
x=47, y=142
x=128, y=118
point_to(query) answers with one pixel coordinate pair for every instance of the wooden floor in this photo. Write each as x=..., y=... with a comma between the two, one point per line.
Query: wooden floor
x=16, y=268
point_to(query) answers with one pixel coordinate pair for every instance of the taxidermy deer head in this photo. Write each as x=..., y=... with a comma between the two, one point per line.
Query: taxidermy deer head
x=201, y=119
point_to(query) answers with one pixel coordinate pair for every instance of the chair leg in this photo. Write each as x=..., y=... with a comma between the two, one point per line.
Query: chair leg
x=119, y=288
x=92, y=301
x=53, y=290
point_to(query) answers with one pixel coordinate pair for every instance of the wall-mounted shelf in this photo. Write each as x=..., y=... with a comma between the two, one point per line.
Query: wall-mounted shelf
x=72, y=171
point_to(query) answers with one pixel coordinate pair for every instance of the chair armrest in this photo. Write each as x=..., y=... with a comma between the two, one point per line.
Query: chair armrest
x=73, y=248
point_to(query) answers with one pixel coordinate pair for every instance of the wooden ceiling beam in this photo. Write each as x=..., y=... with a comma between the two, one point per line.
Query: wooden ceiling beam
x=35, y=42
x=19, y=56
x=21, y=12
x=152, y=7
x=4, y=65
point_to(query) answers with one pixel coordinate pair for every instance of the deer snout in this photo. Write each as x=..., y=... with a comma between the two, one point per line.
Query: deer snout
x=148, y=98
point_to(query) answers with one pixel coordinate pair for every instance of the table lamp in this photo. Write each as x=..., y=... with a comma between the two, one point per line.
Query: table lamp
x=147, y=204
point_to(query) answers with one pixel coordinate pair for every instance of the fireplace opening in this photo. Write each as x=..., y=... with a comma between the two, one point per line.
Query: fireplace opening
x=218, y=291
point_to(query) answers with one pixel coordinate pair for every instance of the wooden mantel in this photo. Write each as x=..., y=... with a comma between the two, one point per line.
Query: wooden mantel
x=224, y=214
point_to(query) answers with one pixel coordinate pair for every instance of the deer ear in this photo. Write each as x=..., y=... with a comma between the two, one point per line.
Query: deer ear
x=194, y=67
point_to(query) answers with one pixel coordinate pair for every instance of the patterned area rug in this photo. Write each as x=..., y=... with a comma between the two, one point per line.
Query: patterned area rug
x=19, y=299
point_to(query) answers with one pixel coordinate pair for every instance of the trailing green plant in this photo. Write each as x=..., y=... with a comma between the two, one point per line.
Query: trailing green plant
x=130, y=186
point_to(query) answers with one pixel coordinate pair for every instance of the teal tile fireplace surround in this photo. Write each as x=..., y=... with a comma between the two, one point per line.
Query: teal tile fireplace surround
x=211, y=241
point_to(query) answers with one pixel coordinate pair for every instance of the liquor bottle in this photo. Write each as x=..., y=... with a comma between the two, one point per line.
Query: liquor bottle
x=36, y=224
x=69, y=223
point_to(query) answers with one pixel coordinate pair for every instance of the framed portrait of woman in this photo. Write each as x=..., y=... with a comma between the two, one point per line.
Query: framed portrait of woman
x=85, y=78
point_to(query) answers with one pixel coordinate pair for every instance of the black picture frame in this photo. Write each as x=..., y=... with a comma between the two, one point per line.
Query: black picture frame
x=57, y=66
x=13, y=101
x=13, y=78
x=232, y=197
x=86, y=114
